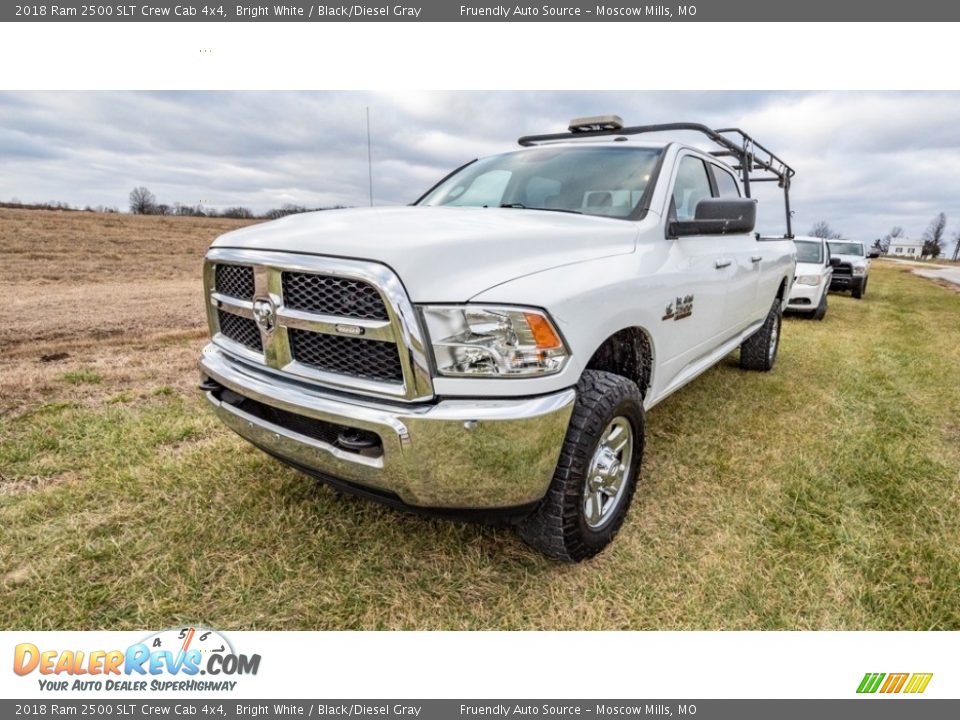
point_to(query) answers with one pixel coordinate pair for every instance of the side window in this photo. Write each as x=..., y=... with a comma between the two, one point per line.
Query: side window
x=726, y=185
x=691, y=186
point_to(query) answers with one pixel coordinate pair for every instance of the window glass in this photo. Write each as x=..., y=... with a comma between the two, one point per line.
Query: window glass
x=840, y=247
x=809, y=251
x=726, y=184
x=691, y=186
x=484, y=189
x=607, y=181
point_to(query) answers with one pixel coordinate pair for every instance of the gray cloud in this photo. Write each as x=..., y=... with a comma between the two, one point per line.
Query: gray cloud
x=865, y=161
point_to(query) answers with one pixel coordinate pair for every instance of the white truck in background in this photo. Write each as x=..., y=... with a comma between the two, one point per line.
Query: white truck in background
x=812, y=283
x=851, y=266
x=492, y=349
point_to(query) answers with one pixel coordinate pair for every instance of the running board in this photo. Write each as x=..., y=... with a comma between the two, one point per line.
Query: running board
x=706, y=362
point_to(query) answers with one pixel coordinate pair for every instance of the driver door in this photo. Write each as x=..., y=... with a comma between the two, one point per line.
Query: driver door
x=694, y=299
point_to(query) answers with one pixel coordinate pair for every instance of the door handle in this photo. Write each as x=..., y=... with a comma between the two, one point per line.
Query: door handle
x=756, y=258
x=721, y=263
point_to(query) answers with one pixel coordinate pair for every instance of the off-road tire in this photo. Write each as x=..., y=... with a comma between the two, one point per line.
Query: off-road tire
x=557, y=528
x=859, y=289
x=755, y=353
x=821, y=311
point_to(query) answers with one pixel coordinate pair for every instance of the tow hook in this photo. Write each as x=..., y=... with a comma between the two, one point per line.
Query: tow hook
x=208, y=385
x=359, y=441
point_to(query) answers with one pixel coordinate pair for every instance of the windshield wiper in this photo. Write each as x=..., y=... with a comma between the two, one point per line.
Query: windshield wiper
x=521, y=206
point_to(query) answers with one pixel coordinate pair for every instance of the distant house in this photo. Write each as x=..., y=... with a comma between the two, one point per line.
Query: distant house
x=900, y=247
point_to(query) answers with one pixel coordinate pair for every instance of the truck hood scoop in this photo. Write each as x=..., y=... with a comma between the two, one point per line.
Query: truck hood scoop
x=445, y=254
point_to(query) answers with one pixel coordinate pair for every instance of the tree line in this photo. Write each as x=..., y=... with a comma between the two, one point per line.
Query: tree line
x=934, y=237
x=144, y=202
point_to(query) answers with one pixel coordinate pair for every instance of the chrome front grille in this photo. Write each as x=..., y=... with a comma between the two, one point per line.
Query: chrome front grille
x=347, y=355
x=340, y=323
x=235, y=281
x=240, y=329
x=329, y=295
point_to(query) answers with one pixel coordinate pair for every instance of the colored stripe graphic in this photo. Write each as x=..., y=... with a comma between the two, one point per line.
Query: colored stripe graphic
x=895, y=683
x=870, y=683
x=918, y=682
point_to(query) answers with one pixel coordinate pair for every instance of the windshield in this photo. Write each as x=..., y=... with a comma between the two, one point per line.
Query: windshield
x=608, y=181
x=808, y=251
x=846, y=248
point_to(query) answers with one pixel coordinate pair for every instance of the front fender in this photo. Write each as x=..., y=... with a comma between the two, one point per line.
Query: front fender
x=589, y=301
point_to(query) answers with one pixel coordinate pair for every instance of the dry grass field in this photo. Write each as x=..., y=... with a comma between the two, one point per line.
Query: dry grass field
x=823, y=495
x=108, y=291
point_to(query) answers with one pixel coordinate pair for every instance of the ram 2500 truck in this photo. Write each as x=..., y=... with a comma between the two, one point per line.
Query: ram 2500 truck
x=492, y=349
x=851, y=267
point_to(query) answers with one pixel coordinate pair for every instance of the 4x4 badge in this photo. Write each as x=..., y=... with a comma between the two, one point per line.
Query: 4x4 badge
x=684, y=308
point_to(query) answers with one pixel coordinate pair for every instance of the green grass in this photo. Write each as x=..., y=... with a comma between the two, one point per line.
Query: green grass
x=83, y=376
x=822, y=495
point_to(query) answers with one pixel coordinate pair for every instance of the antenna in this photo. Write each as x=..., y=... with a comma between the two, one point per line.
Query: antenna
x=369, y=158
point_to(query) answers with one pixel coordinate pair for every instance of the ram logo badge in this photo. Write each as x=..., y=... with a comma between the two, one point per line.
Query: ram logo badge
x=679, y=309
x=264, y=314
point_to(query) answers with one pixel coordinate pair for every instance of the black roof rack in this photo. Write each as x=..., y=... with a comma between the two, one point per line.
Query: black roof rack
x=754, y=162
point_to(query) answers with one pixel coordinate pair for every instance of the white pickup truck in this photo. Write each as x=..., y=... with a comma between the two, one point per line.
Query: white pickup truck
x=491, y=350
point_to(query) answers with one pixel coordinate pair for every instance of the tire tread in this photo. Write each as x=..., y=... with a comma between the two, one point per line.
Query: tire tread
x=554, y=528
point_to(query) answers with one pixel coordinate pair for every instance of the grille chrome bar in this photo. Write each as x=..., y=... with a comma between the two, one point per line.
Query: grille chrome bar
x=243, y=308
x=327, y=324
x=401, y=328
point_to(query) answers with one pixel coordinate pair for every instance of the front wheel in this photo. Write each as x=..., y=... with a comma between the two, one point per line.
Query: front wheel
x=821, y=312
x=859, y=289
x=759, y=351
x=595, y=479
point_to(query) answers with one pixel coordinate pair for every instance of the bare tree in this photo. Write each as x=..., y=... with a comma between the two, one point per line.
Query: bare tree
x=956, y=246
x=162, y=209
x=239, y=213
x=822, y=229
x=284, y=210
x=933, y=237
x=895, y=232
x=142, y=201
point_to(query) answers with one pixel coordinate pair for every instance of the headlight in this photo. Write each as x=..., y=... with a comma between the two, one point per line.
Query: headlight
x=476, y=340
x=808, y=280
x=859, y=269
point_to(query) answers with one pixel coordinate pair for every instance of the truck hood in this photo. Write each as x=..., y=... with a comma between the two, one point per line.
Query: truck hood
x=809, y=269
x=444, y=254
x=852, y=259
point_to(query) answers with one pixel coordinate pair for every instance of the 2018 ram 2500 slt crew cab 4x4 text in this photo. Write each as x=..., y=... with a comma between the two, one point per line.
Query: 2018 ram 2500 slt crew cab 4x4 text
x=493, y=348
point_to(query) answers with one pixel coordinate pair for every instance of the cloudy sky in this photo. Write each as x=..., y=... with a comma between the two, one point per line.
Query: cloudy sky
x=864, y=161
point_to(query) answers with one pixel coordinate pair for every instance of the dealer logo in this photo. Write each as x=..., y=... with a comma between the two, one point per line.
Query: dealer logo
x=168, y=660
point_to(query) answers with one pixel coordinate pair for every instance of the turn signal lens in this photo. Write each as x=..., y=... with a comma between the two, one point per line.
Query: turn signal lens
x=543, y=333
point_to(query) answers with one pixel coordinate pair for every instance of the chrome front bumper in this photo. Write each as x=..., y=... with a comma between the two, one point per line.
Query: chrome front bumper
x=451, y=454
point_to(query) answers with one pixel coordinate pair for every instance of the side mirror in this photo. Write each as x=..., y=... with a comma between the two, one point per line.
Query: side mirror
x=834, y=262
x=873, y=254
x=716, y=216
